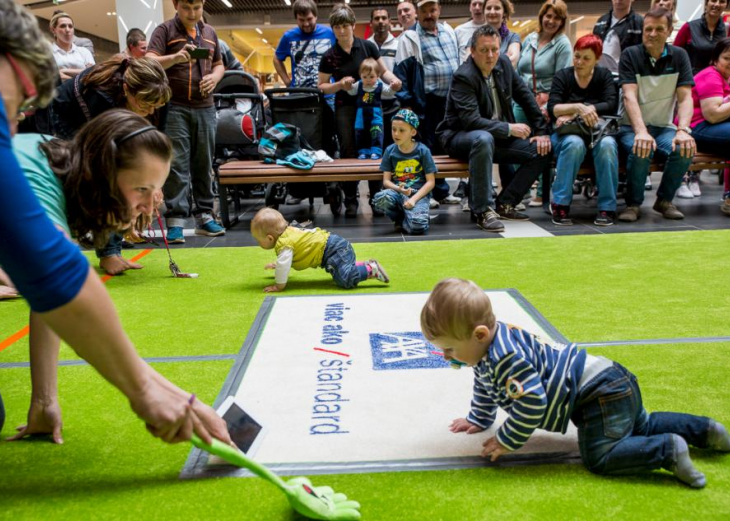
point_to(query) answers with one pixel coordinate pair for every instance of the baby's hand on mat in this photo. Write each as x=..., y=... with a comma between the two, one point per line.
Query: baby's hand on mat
x=275, y=287
x=270, y=266
x=464, y=425
x=493, y=448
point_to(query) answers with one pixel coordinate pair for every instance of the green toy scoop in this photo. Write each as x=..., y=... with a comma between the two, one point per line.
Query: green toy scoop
x=312, y=502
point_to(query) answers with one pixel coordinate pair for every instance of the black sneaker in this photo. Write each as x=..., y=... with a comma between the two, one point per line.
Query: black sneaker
x=605, y=219
x=334, y=198
x=351, y=205
x=460, y=191
x=489, y=221
x=561, y=215
x=508, y=212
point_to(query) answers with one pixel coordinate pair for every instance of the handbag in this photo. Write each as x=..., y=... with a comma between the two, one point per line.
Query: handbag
x=605, y=126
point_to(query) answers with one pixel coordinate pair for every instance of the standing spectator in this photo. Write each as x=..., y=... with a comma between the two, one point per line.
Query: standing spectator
x=656, y=78
x=342, y=63
x=382, y=37
x=388, y=46
x=305, y=45
x=589, y=92
x=230, y=62
x=427, y=58
x=699, y=36
x=498, y=13
x=711, y=118
x=544, y=53
x=191, y=122
x=136, y=44
x=70, y=58
x=669, y=5
x=406, y=12
x=465, y=30
x=618, y=29
x=480, y=126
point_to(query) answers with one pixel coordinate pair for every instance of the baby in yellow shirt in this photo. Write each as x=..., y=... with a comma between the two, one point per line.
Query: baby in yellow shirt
x=310, y=248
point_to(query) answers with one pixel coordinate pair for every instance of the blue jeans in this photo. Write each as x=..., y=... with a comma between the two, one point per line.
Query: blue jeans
x=414, y=221
x=192, y=132
x=481, y=149
x=570, y=151
x=617, y=436
x=637, y=168
x=113, y=246
x=339, y=261
x=713, y=139
x=369, y=130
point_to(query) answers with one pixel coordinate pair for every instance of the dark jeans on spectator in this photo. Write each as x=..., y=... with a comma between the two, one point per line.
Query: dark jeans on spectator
x=113, y=246
x=712, y=139
x=482, y=150
x=617, y=436
x=435, y=111
x=192, y=132
x=345, y=121
x=340, y=262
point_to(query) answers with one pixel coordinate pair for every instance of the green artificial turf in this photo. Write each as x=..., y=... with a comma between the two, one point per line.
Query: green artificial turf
x=592, y=288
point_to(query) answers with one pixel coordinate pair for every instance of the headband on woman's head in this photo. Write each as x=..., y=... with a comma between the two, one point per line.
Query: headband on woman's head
x=134, y=133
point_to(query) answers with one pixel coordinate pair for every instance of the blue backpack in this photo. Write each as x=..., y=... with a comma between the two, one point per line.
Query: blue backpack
x=282, y=144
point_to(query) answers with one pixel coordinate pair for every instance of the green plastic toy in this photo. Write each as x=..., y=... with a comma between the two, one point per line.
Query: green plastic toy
x=313, y=502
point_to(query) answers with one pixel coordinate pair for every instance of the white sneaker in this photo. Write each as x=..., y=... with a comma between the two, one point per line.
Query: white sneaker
x=433, y=203
x=465, y=205
x=684, y=192
x=520, y=207
x=694, y=186
x=450, y=199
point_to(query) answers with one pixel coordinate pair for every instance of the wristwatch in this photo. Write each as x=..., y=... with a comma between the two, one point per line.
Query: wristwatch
x=686, y=130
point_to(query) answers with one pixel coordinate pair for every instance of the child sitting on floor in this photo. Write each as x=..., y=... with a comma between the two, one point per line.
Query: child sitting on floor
x=370, y=92
x=409, y=175
x=544, y=387
x=300, y=248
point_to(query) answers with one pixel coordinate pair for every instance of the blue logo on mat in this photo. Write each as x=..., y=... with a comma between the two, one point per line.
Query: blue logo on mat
x=408, y=350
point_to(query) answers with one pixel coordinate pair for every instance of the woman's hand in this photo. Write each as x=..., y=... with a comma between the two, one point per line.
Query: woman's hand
x=43, y=418
x=588, y=113
x=562, y=120
x=116, y=264
x=347, y=82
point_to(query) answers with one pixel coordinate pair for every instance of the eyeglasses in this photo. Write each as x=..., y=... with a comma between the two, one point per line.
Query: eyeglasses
x=30, y=92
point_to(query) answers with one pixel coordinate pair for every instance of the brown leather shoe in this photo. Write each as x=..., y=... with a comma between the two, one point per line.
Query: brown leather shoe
x=630, y=214
x=725, y=206
x=667, y=209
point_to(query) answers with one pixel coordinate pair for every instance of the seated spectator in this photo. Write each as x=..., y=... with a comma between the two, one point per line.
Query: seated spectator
x=588, y=91
x=480, y=126
x=656, y=78
x=498, y=13
x=136, y=44
x=711, y=118
x=70, y=58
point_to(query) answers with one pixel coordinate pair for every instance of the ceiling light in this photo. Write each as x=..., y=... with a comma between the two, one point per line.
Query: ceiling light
x=228, y=4
x=259, y=31
x=577, y=19
x=524, y=23
x=264, y=40
x=287, y=2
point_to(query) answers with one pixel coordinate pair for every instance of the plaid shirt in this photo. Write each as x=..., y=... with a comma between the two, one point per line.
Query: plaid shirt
x=440, y=59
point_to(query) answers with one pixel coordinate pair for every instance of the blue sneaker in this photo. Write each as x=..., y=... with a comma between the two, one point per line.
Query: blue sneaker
x=175, y=235
x=211, y=229
x=363, y=156
x=376, y=156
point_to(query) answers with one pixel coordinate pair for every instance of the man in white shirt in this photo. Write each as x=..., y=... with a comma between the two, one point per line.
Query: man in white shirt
x=465, y=30
x=382, y=37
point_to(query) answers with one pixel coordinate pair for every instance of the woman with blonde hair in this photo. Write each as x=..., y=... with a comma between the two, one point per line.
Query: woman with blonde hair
x=70, y=58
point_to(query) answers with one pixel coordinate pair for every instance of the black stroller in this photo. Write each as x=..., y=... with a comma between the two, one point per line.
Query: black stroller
x=306, y=109
x=241, y=121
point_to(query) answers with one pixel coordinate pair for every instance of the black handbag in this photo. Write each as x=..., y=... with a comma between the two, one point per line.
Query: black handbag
x=606, y=126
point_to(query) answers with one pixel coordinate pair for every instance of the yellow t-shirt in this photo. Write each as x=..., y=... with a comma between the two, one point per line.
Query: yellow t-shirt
x=308, y=246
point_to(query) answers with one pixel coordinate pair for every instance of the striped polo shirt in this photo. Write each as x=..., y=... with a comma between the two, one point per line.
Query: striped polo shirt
x=534, y=382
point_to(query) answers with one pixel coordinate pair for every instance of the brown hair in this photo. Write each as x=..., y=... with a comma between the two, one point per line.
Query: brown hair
x=21, y=37
x=342, y=14
x=88, y=166
x=660, y=12
x=561, y=11
x=507, y=7
x=304, y=7
x=145, y=79
x=134, y=36
x=368, y=65
x=269, y=222
x=454, y=309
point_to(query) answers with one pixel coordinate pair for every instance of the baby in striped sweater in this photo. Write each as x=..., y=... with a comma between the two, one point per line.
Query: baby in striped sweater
x=543, y=386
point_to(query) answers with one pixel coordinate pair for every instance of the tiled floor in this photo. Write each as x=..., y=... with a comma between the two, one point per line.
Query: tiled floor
x=449, y=222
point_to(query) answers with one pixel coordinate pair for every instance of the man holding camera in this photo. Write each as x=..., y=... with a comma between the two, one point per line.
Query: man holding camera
x=189, y=51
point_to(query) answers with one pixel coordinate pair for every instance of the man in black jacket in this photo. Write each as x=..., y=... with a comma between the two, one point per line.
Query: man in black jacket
x=480, y=125
x=622, y=20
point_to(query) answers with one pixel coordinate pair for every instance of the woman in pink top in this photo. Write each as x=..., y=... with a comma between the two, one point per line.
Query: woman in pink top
x=711, y=119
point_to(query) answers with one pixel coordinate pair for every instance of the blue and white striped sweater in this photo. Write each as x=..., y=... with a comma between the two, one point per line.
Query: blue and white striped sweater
x=535, y=383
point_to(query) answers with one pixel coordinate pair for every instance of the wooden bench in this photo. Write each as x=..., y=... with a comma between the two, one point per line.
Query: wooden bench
x=235, y=173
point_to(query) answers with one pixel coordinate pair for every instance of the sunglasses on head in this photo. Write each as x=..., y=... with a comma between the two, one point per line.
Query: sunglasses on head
x=29, y=90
